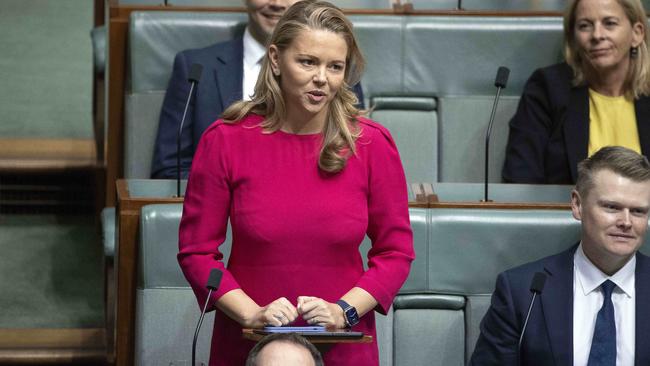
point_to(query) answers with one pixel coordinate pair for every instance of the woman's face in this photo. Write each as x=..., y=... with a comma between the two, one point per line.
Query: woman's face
x=312, y=70
x=604, y=35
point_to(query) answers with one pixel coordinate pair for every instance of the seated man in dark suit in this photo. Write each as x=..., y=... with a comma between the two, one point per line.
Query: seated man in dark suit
x=593, y=309
x=230, y=72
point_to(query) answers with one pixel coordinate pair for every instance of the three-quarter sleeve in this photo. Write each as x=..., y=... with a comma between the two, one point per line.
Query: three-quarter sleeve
x=389, y=228
x=205, y=216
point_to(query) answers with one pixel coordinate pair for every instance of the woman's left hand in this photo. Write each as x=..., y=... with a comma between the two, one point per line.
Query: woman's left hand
x=317, y=311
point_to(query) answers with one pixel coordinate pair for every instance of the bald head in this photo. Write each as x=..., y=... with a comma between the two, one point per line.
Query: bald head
x=284, y=349
x=283, y=353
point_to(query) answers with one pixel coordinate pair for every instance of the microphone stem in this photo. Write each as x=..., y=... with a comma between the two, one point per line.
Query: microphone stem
x=487, y=139
x=178, y=142
x=523, y=330
x=198, y=326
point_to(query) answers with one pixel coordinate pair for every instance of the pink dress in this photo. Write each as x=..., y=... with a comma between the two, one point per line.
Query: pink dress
x=295, y=229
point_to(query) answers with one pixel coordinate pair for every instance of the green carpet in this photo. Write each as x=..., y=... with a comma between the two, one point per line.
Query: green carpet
x=46, y=68
x=50, y=272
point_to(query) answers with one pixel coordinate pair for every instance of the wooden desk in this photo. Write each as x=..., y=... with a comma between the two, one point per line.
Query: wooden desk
x=132, y=195
x=502, y=196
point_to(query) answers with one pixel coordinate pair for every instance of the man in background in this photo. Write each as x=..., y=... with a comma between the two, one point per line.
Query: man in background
x=230, y=71
x=594, y=307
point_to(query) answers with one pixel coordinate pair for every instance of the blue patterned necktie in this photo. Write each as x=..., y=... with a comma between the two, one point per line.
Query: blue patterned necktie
x=603, y=345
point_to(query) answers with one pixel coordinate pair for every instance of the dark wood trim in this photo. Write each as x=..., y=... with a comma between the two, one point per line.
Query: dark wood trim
x=99, y=13
x=414, y=204
x=403, y=10
x=484, y=13
x=38, y=346
x=118, y=29
x=52, y=337
x=42, y=357
x=54, y=148
x=41, y=154
x=495, y=205
x=503, y=205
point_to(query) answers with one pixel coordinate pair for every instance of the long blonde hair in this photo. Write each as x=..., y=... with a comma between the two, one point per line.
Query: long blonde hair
x=341, y=129
x=637, y=82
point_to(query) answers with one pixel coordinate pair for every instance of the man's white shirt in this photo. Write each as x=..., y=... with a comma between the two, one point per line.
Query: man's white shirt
x=253, y=53
x=587, y=301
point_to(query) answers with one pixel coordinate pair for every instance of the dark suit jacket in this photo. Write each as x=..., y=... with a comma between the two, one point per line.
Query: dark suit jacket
x=220, y=85
x=549, y=335
x=549, y=133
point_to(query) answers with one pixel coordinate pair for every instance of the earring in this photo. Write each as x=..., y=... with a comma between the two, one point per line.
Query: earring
x=634, y=52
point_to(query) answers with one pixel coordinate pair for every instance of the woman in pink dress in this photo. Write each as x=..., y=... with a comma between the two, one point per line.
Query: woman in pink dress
x=302, y=177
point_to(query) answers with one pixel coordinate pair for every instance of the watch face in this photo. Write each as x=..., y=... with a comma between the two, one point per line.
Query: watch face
x=352, y=316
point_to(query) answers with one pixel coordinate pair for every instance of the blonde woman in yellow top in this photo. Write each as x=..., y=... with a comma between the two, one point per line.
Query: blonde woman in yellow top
x=598, y=97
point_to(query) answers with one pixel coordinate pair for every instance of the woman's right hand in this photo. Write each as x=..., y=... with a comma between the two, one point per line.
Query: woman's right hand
x=278, y=313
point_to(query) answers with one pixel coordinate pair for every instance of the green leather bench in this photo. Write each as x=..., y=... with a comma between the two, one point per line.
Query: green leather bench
x=429, y=77
x=435, y=317
x=429, y=80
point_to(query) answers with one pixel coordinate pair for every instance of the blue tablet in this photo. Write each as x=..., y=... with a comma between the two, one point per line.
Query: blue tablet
x=309, y=332
x=307, y=329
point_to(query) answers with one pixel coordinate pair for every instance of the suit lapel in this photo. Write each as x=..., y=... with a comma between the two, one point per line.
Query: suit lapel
x=229, y=72
x=642, y=326
x=557, y=305
x=642, y=111
x=576, y=128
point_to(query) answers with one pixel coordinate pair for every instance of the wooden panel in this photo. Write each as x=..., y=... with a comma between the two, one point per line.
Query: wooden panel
x=46, y=154
x=502, y=205
x=52, y=346
x=52, y=338
x=118, y=28
x=126, y=261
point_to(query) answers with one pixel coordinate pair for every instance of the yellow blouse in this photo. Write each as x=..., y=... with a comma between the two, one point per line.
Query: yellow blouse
x=612, y=122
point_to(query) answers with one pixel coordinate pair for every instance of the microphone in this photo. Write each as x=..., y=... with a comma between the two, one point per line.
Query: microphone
x=500, y=82
x=536, y=287
x=193, y=79
x=213, y=283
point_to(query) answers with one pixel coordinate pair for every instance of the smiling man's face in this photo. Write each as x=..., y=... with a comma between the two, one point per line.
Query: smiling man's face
x=614, y=216
x=263, y=15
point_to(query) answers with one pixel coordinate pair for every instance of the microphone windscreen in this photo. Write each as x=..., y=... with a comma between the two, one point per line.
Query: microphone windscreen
x=214, y=279
x=537, y=285
x=195, y=73
x=502, y=77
